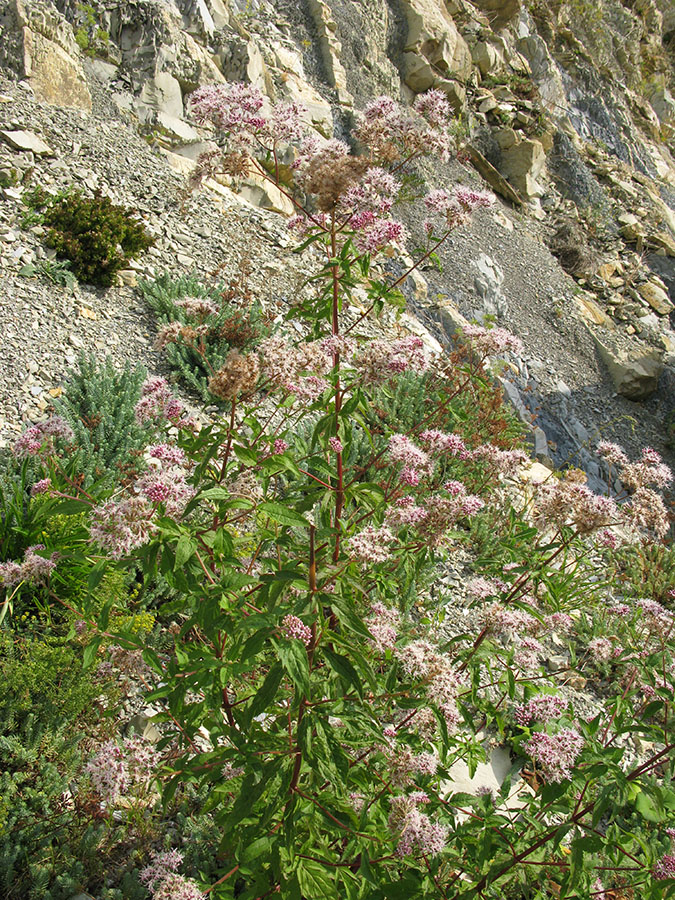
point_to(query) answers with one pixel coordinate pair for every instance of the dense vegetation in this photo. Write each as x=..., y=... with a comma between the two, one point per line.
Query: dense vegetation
x=235, y=660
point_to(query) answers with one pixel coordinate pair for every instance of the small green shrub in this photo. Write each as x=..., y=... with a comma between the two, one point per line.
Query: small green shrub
x=98, y=403
x=96, y=235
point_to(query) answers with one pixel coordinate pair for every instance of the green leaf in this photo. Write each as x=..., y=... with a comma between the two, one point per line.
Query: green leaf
x=315, y=881
x=283, y=515
x=266, y=692
x=345, y=670
x=647, y=808
x=255, y=849
x=90, y=652
x=293, y=656
x=185, y=548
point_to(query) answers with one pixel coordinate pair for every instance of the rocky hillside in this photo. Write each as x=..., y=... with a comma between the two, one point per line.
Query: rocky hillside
x=565, y=109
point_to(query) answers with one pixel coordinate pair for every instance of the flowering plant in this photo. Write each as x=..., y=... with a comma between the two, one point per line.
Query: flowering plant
x=329, y=723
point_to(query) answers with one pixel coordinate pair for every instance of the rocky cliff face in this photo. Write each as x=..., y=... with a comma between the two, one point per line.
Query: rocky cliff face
x=564, y=108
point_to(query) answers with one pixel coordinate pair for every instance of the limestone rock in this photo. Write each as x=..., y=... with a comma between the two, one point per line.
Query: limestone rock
x=635, y=374
x=592, y=312
x=522, y=165
x=496, y=181
x=454, y=91
x=499, y=12
x=27, y=141
x=38, y=44
x=162, y=93
x=487, y=58
x=663, y=241
x=656, y=297
x=488, y=285
x=433, y=47
x=330, y=48
x=319, y=111
x=663, y=104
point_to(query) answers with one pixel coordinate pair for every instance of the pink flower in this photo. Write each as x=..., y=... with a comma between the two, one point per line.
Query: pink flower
x=371, y=545
x=434, y=107
x=383, y=624
x=41, y=487
x=168, y=453
x=414, y=829
x=613, y=453
x=600, y=649
x=121, y=526
x=491, y=341
x=403, y=450
x=665, y=867
x=293, y=627
x=115, y=769
x=335, y=445
x=542, y=708
x=157, y=403
x=280, y=446
x=379, y=234
x=37, y=437
x=557, y=753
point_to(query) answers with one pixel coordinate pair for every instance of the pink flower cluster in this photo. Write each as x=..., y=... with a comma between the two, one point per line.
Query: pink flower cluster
x=34, y=569
x=158, y=403
x=648, y=470
x=117, y=770
x=293, y=627
x=164, y=882
x=645, y=509
x=569, y=502
x=505, y=462
x=165, y=482
x=656, y=618
x=528, y=653
x=414, y=829
x=600, y=649
x=383, y=624
x=555, y=753
x=39, y=438
x=437, y=442
x=199, y=307
x=381, y=360
x=403, y=764
x=419, y=659
x=371, y=545
x=455, y=206
x=501, y=619
x=392, y=132
x=120, y=526
x=542, y=708
x=480, y=588
x=489, y=341
x=665, y=867
x=233, y=108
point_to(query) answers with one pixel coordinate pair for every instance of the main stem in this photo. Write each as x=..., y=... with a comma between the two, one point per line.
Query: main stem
x=335, y=328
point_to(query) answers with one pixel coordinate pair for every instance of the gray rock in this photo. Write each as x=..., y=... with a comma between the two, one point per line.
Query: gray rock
x=488, y=285
x=26, y=141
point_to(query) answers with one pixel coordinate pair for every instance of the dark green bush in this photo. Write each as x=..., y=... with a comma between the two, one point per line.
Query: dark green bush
x=98, y=236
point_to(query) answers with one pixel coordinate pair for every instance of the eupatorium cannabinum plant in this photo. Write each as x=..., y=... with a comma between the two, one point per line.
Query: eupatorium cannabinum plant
x=324, y=717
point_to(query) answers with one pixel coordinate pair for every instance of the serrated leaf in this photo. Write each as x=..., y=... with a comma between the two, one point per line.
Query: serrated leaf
x=293, y=657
